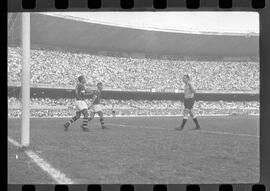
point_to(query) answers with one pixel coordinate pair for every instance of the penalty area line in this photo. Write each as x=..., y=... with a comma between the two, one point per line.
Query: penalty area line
x=197, y=131
x=227, y=133
x=56, y=175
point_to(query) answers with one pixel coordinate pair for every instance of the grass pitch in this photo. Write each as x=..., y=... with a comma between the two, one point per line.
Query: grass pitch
x=140, y=150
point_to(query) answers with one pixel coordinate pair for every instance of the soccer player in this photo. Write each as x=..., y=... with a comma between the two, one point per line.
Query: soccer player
x=189, y=100
x=96, y=106
x=80, y=105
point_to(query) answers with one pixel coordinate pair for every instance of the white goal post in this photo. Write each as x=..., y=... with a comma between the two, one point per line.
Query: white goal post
x=25, y=78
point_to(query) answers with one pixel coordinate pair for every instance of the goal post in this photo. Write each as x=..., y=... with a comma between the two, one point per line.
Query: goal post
x=25, y=80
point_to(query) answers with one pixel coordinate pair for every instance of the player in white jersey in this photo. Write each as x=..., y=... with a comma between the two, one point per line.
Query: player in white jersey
x=189, y=100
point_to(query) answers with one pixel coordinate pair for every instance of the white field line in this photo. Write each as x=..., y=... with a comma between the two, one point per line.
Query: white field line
x=137, y=126
x=56, y=175
x=198, y=131
x=228, y=133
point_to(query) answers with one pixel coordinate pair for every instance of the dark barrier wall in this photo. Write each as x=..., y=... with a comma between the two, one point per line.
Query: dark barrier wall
x=67, y=93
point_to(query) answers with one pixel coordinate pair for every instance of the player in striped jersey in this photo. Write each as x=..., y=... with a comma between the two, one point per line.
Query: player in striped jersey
x=96, y=106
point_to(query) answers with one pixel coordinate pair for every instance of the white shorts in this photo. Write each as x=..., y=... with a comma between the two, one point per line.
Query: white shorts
x=96, y=108
x=80, y=105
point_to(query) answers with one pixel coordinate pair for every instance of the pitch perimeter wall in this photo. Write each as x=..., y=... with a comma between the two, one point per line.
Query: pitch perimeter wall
x=126, y=95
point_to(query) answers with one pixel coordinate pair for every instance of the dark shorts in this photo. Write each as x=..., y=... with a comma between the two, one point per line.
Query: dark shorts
x=189, y=102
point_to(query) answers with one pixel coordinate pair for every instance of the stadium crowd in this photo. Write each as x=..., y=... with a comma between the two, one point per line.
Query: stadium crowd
x=46, y=107
x=55, y=67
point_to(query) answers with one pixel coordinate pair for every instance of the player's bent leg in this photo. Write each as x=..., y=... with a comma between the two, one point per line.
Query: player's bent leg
x=85, y=120
x=194, y=117
x=72, y=120
x=185, y=118
x=101, y=119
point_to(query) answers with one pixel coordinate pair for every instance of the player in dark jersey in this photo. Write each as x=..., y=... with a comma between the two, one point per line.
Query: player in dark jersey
x=80, y=105
x=96, y=106
x=189, y=100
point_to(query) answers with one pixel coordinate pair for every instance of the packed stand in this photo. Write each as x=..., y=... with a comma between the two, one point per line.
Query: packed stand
x=46, y=107
x=54, y=67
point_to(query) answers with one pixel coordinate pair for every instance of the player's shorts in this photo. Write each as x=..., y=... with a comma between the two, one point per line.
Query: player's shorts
x=96, y=108
x=80, y=105
x=189, y=103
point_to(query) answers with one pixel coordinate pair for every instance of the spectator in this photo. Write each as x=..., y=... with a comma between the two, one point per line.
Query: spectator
x=60, y=68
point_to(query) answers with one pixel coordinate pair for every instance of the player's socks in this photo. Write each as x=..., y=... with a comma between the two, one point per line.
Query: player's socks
x=196, y=122
x=102, y=123
x=85, y=123
x=66, y=125
x=73, y=119
x=183, y=123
